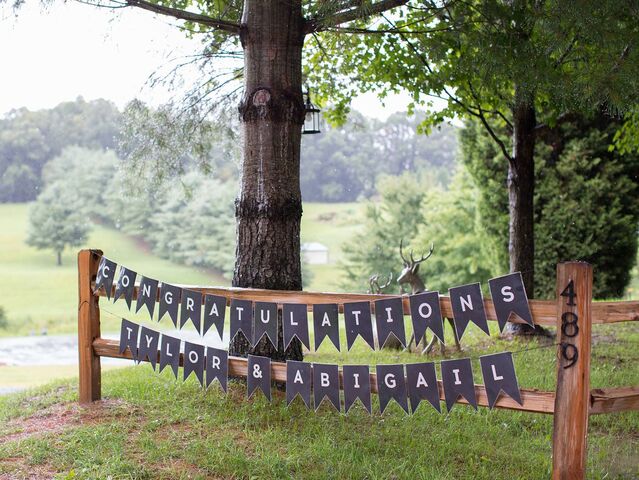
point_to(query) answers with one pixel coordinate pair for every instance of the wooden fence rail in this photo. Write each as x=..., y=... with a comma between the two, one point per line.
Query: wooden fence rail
x=572, y=313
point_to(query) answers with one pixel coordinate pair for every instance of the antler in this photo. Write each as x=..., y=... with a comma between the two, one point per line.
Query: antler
x=400, y=252
x=432, y=248
x=375, y=287
x=390, y=279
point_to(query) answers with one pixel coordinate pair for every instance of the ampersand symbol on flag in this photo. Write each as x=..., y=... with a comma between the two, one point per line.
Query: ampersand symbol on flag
x=257, y=371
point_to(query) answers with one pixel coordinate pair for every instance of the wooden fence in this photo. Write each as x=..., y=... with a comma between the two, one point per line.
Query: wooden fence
x=573, y=313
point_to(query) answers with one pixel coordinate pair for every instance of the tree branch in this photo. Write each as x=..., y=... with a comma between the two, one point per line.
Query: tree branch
x=216, y=23
x=356, y=13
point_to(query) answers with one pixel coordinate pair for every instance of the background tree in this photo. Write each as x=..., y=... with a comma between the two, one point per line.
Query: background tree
x=57, y=222
x=498, y=62
x=586, y=202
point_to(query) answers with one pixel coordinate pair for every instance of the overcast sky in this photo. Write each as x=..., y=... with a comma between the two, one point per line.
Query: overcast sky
x=70, y=49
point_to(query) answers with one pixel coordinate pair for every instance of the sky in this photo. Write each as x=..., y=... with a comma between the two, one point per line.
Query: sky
x=55, y=54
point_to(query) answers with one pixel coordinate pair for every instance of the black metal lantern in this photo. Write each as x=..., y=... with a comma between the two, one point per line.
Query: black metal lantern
x=311, y=118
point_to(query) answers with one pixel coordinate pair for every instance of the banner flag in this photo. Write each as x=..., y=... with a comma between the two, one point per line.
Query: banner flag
x=125, y=286
x=214, y=313
x=425, y=313
x=295, y=324
x=191, y=309
x=357, y=384
x=105, y=275
x=299, y=377
x=259, y=375
x=265, y=322
x=422, y=385
x=509, y=296
x=357, y=318
x=194, y=361
x=389, y=318
x=457, y=378
x=147, y=295
x=468, y=306
x=170, y=353
x=129, y=338
x=499, y=375
x=148, y=347
x=326, y=385
x=217, y=367
x=326, y=323
x=391, y=385
x=170, y=297
x=242, y=319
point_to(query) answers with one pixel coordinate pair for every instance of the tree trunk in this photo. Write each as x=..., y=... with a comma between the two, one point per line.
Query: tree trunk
x=521, y=191
x=59, y=258
x=269, y=207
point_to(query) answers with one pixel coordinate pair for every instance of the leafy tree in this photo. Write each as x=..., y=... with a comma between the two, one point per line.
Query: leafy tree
x=56, y=221
x=586, y=202
x=18, y=183
x=498, y=62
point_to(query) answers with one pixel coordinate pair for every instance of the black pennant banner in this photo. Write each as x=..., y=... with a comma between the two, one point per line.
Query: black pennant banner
x=191, y=308
x=129, y=337
x=125, y=285
x=295, y=324
x=214, y=313
x=468, y=306
x=259, y=375
x=457, y=378
x=326, y=323
x=326, y=385
x=217, y=366
x=265, y=322
x=426, y=313
x=357, y=384
x=242, y=319
x=298, y=381
x=194, y=361
x=389, y=317
x=170, y=353
x=147, y=295
x=105, y=275
x=499, y=375
x=170, y=297
x=391, y=385
x=422, y=385
x=509, y=296
x=357, y=319
x=148, y=347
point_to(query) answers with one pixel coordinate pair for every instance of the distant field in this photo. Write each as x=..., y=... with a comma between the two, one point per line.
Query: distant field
x=38, y=295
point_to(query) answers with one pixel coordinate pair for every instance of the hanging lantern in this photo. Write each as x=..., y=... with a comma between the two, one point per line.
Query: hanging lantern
x=312, y=117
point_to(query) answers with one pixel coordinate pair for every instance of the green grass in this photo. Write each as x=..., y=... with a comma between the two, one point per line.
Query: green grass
x=152, y=426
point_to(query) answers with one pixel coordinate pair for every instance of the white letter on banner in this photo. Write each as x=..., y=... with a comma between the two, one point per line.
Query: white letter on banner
x=456, y=373
x=215, y=362
x=425, y=315
x=129, y=330
x=293, y=323
x=421, y=380
x=191, y=359
x=389, y=380
x=389, y=319
x=506, y=291
x=326, y=320
x=168, y=353
x=356, y=377
x=466, y=303
x=190, y=303
x=214, y=310
x=168, y=298
x=148, y=341
x=239, y=313
x=495, y=376
x=268, y=316
x=125, y=281
x=146, y=290
x=298, y=378
x=324, y=379
x=356, y=313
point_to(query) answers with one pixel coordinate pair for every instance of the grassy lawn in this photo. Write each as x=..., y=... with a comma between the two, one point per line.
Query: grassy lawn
x=152, y=426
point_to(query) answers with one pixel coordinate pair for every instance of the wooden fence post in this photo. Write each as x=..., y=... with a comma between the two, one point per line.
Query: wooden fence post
x=572, y=397
x=88, y=326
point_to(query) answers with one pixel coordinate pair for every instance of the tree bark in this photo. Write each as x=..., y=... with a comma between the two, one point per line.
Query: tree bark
x=269, y=206
x=521, y=192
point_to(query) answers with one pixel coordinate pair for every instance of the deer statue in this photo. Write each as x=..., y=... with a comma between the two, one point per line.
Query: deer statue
x=410, y=275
